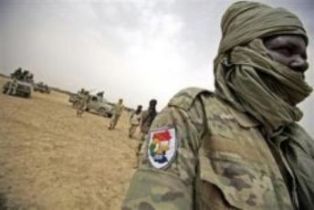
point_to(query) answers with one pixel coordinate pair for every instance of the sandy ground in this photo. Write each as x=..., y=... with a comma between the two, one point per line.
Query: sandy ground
x=51, y=159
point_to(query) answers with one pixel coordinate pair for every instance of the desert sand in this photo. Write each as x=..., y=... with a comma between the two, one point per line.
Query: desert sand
x=52, y=160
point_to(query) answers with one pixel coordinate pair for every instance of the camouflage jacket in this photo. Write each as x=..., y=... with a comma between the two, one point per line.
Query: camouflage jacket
x=83, y=100
x=146, y=121
x=221, y=162
x=118, y=109
x=135, y=118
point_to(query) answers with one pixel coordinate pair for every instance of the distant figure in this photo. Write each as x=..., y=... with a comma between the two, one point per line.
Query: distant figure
x=25, y=75
x=17, y=73
x=147, y=118
x=82, y=91
x=82, y=103
x=12, y=87
x=30, y=78
x=118, y=109
x=100, y=94
x=135, y=120
x=76, y=98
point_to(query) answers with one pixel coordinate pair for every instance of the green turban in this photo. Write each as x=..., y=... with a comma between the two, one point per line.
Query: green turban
x=247, y=77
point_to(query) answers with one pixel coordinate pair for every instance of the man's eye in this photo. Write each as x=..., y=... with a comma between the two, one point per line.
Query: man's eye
x=284, y=51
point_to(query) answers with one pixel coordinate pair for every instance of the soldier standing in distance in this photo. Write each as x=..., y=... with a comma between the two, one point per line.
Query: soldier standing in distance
x=82, y=103
x=17, y=73
x=101, y=94
x=147, y=117
x=135, y=120
x=146, y=121
x=239, y=147
x=118, y=109
x=12, y=87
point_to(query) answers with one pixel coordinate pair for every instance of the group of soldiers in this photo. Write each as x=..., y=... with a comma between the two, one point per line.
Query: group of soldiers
x=138, y=118
x=23, y=75
x=19, y=75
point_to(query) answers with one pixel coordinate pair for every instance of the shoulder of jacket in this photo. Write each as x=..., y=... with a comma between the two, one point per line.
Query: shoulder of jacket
x=185, y=98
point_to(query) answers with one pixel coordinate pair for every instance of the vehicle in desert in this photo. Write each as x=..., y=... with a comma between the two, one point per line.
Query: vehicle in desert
x=41, y=87
x=96, y=104
x=23, y=89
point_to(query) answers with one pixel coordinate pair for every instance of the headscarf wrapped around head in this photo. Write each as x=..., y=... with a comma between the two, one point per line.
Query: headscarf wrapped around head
x=244, y=21
x=246, y=76
x=249, y=79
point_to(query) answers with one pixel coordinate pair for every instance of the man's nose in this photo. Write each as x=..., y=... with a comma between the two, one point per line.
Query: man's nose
x=299, y=64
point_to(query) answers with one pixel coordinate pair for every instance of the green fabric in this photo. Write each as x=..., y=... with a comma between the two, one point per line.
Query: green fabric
x=244, y=21
x=255, y=80
x=298, y=143
x=252, y=82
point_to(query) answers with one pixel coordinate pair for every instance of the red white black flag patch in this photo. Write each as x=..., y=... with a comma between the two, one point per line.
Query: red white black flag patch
x=161, y=147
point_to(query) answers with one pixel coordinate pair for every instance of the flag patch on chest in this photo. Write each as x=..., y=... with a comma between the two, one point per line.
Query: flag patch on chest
x=161, y=147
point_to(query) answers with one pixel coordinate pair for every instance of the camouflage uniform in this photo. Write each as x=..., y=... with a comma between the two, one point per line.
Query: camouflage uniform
x=82, y=104
x=134, y=123
x=117, y=113
x=12, y=87
x=147, y=118
x=144, y=125
x=222, y=161
x=17, y=73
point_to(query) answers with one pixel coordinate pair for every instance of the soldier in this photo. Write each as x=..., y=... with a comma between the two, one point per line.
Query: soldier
x=239, y=147
x=82, y=103
x=12, y=87
x=82, y=91
x=30, y=78
x=100, y=94
x=17, y=73
x=146, y=120
x=147, y=117
x=118, y=109
x=25, y=75
x=135, y=120
x=76, y=101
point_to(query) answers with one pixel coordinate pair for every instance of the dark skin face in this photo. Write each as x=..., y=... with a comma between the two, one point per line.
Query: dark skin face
x=289, y=50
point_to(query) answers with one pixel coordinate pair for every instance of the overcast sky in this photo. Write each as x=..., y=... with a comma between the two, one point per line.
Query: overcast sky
x=131, y=49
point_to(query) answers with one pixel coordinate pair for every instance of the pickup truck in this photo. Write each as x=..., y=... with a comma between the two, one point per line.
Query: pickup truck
x=96, y=104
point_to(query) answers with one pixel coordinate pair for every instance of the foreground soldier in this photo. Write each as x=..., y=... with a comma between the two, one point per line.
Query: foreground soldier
x=118, y=109
x=240, y=147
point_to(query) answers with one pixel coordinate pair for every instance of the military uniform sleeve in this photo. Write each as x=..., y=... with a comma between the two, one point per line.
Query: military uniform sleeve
x=171, y=187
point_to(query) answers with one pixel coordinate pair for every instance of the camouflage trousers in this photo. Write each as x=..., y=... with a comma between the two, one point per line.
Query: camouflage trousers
x=12, y=88
x=132, y=130
x=141, y=148
x=80, y=109
x=114, y=121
